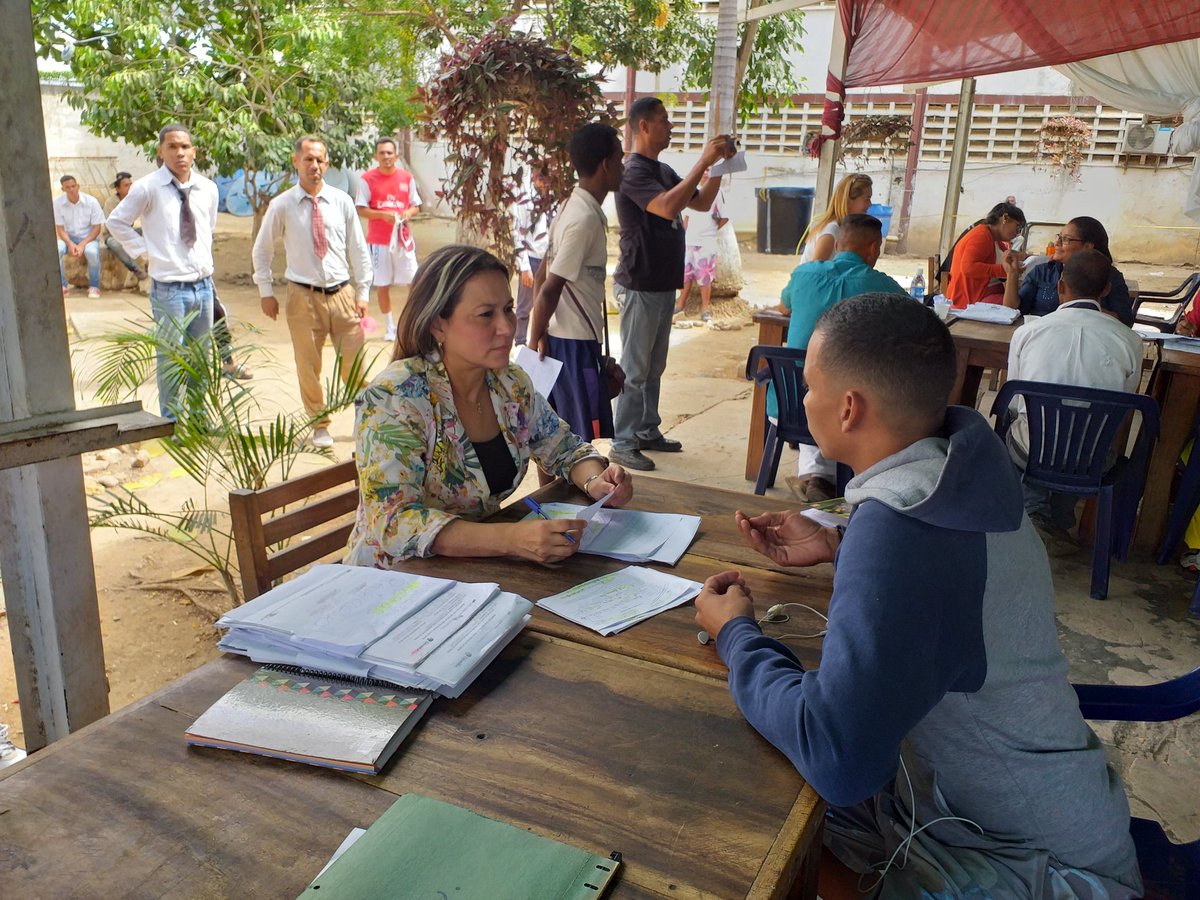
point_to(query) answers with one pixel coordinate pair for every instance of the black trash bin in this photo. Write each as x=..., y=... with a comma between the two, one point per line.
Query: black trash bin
x=783, y=216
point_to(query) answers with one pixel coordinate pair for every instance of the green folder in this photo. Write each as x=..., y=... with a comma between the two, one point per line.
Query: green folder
x=423, y=848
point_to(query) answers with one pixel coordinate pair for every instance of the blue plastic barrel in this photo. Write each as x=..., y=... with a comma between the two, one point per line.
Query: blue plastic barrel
x=883, y=214
x=224, y=183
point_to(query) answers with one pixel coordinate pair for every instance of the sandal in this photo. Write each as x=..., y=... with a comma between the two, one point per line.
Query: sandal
x=237, y=371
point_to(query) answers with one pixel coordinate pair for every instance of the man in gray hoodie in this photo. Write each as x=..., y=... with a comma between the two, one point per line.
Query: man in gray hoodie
x=940, y=726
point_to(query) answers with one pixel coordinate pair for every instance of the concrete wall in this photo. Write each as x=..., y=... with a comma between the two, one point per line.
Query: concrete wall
x=73, y=150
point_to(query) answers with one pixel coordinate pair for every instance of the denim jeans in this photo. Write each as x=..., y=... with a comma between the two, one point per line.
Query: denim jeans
x=91, y=253
x=171, y=303
x=645, y=333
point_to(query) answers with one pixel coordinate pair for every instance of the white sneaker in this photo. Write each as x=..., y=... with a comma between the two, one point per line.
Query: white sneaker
x=93, y=293
x=322, y=439
x=390, y=334
x=9, y=752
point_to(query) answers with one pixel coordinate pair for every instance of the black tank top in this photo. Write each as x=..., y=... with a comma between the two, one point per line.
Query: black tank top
x=497, y=463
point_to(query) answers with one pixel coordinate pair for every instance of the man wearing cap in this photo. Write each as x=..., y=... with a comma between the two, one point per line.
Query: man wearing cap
x=178, y=209
x=328, y=274
x=122, y=183
x=77, y=221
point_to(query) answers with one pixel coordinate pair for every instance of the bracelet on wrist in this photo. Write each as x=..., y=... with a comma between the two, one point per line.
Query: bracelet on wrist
x=588, y=481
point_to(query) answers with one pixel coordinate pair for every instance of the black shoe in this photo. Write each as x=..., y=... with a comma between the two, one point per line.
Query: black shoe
x=661, y=444
x=631, y=459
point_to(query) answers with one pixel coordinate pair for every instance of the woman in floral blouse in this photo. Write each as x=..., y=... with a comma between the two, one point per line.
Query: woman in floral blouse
x=445, y=433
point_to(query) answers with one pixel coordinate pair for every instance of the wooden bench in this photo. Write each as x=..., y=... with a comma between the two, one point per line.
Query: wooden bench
x=316, y=529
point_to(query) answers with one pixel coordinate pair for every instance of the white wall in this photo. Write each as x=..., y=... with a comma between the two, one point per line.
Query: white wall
x=73, y=150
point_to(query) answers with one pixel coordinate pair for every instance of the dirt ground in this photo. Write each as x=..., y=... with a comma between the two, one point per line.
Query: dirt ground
x=158, y=603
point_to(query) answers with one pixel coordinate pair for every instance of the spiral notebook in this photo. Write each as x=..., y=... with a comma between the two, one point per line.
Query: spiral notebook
x=323, y=720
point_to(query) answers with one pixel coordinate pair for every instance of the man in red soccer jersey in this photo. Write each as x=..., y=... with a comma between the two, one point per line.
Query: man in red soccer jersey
x=387, y=199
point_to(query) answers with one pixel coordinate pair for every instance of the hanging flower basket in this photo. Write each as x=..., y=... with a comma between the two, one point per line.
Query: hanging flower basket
x=884, y=135
x=1063, y=143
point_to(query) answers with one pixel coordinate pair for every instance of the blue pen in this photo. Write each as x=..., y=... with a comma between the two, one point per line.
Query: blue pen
x=537, y=511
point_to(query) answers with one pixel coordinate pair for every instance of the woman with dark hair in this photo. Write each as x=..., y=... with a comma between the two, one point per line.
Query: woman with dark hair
x=445, y=433
x=1037, y=294
x=976, y=270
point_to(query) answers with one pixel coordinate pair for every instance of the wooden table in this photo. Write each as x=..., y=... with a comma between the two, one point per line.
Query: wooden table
x=980, y=345
x=670, y=638
x=572, y=743
x=1178, y=395
x=772, y=331
x=628, y=743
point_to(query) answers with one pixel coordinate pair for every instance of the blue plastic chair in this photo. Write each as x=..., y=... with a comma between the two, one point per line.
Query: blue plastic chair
x=1168, y=870
x=1071, y=432
x=785, y=370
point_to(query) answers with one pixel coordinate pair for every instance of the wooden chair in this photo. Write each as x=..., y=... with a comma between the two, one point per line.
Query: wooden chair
x=320, y=525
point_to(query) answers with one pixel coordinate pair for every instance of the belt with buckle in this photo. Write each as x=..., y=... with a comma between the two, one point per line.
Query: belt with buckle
x=332, y=289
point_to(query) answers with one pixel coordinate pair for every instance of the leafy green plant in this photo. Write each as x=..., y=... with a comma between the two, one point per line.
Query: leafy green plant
x=247, y=77
x=225, y=438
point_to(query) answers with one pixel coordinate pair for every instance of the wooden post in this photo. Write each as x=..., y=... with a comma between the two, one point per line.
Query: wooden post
x=827, y=166
x=45, y=547
x=920, y=100
x=958, y=161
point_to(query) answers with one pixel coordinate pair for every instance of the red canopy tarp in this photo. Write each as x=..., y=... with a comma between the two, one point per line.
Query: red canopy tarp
x=914, y=41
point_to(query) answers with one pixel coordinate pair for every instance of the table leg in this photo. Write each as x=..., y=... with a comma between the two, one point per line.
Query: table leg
x=966, y=382
x=1180, y=399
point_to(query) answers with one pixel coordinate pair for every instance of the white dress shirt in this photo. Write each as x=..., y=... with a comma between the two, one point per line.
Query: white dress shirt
x=290, y=216
x=1077, y=344
x=531, y=234
x=77, y=219
x=155, y=198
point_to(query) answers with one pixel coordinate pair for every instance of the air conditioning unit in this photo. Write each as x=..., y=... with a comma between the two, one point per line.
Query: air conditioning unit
x=1147, y=139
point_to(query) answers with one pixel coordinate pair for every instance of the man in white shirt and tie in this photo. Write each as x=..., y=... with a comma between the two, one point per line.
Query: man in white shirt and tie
x=77, y=221
x=328, y=274
x=178, y=209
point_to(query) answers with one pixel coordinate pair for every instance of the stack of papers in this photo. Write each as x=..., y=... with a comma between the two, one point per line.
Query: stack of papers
x=989, y=312
x=628, y=534
x=613, y=602
x=409, y=630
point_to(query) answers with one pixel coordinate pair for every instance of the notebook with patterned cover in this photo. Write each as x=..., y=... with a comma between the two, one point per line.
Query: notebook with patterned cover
x=339, y=722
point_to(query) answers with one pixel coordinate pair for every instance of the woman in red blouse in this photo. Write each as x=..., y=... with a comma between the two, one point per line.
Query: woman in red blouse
x=976, y=272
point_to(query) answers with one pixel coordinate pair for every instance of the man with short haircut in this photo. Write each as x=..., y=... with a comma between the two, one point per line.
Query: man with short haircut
x=121, y=184
x=941, y=726
x=388, y=199
x=1078, y=344
x=568, y=319
x=815, y=287
x=650, y=271
x=178, y=209
x=328, y=274
x=77, y=221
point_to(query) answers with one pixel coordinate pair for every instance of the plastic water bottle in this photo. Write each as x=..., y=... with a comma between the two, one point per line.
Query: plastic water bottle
x=916, y=289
